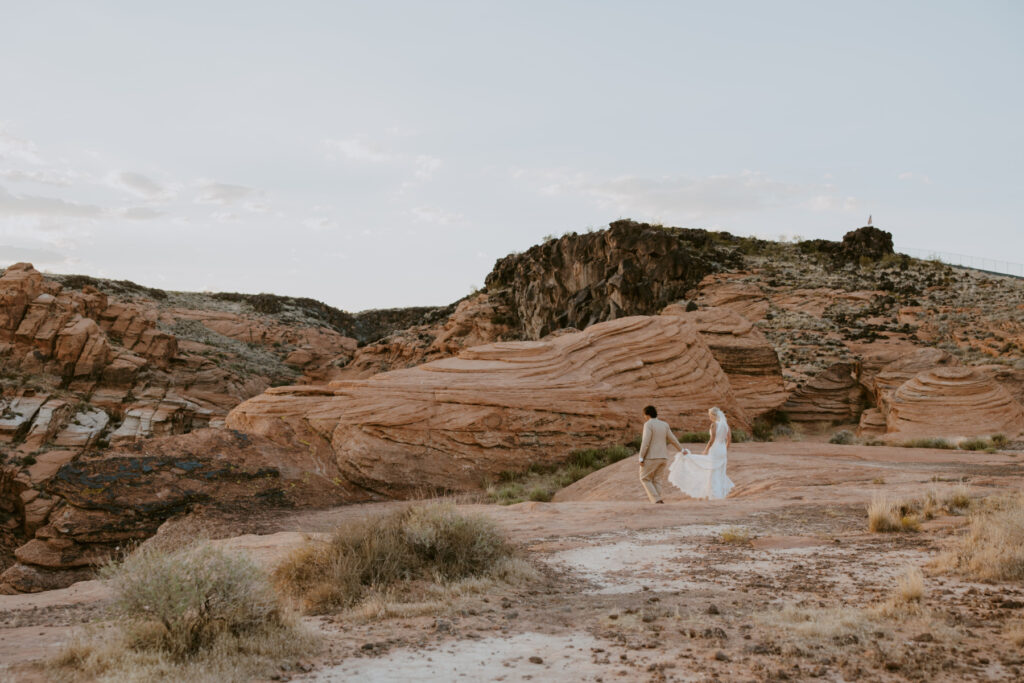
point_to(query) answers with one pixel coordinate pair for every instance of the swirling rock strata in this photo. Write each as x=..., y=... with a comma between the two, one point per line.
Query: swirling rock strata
x=452, y=423
x=953, y=401
x=743, y=352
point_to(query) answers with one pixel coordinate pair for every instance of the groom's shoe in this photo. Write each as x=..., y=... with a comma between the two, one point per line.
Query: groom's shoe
x=660, y=502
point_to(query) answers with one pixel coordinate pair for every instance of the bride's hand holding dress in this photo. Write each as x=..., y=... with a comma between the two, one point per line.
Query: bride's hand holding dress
x=704, y=475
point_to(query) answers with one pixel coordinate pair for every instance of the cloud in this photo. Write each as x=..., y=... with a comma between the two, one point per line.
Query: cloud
x=357, y=149
x=47, y=207
x=684, y=198
x=49, y=177
x=223, y=193
x=18, y=149
x=909, y=175
x=12, y=254
x=140, y=185
x=139, y=213
x=362, y=151
x=434, y=215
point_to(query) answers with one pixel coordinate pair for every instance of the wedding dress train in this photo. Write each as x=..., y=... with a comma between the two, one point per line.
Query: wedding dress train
x=703, y=476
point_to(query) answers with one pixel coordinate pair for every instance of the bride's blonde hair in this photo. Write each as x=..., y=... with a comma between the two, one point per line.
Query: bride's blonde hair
x=719, y=415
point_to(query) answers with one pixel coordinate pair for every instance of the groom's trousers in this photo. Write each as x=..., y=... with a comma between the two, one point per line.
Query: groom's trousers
x=649, y=470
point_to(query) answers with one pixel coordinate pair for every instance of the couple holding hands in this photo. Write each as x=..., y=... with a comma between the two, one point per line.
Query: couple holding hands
x=696, y=475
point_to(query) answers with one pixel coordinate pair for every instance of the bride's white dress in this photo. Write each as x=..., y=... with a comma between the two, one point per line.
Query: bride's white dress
x=703, y=476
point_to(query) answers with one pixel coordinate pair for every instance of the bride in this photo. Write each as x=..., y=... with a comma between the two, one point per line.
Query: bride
x=703, y=476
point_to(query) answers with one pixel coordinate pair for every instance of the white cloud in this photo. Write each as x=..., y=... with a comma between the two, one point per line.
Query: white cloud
x=47, y=177
x=139, y=213
x=426, y=166
x=223, y=193
x=434, y=215
x=18, y=149
x=141, y=186
x=684, y=198
x=910, y=175
x=13, y=254
x=357, y=149
x=32, y=205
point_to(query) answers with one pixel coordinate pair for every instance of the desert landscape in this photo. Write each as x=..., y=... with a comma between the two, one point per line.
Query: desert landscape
x=451, y=493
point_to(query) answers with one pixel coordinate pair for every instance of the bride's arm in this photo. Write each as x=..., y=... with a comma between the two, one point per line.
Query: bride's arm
x=710, y=440
x=728, y=438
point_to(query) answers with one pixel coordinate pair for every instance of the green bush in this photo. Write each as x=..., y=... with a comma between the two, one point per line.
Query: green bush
x=762, y=430
x=693, y=437
x=739, y=436
x=999, y=440
x=976, y=444
x=844, y=437
x=541, y=482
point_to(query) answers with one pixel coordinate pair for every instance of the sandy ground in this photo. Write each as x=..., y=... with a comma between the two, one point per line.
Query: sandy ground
x=634, y=591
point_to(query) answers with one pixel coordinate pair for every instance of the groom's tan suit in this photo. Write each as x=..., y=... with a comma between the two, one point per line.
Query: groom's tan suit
x=654, y=454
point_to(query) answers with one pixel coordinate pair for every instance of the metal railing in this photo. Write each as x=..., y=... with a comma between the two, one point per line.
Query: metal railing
x=976, y=262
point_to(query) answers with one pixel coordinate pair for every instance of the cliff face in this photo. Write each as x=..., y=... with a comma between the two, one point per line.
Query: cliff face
x=629, y=269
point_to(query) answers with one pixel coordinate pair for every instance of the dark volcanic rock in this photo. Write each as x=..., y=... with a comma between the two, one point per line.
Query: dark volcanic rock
x=868, y=241
x=630, y=269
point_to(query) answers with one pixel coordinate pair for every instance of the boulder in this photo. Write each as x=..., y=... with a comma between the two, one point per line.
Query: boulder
x=867, y=242
x=452, y=423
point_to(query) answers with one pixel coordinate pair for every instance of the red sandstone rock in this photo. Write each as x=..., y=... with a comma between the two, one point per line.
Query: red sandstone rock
x=450, y=423
x=953, y=401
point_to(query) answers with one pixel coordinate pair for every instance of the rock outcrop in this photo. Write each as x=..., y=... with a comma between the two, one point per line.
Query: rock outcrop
x=452, y=423
x=956, y=401
x=833, y=397
x=96, y=504
x=629, y=269
x=744, y=354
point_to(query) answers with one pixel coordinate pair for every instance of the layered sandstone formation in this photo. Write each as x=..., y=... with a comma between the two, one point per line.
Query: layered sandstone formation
x=953, y=401
x=452, y=423
x=744, y=354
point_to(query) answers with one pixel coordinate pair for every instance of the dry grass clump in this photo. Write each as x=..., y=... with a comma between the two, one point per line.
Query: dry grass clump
x=930, y=442
x=541, y=482
x=196, y=613
x=885, y=515
x=910, y=587
x=736, y=535
x=843, y=437
x=840, y=625
x=906, y=515
x=993, y=549
x=433, y=543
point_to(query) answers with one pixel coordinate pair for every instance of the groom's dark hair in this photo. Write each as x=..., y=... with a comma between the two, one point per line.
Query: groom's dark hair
x=651, y=411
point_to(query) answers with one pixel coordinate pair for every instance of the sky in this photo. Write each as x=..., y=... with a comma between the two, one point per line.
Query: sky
x=384, y=154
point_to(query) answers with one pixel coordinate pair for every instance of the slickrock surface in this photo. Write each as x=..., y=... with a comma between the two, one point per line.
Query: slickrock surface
x=953, y=401
x=451, y=423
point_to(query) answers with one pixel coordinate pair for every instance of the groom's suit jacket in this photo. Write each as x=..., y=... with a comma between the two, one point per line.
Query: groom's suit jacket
x=657, y=436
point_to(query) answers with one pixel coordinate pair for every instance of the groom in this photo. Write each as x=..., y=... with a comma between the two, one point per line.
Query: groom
x=654, y=452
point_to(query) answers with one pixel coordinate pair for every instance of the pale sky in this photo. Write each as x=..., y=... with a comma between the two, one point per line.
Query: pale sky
x=377, y=154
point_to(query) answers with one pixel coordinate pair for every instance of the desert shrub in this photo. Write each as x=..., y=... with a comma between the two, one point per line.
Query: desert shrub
x=782, y=430
x=885, y=516
x=195, y=594
x=694, y=437
x=993, y=550
x=930, y=442
x=977, y=444
x=999, y=440
x=762, y=430
x=196, y=613
x=739, y=436
x=844, y=437
x=427, y=542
